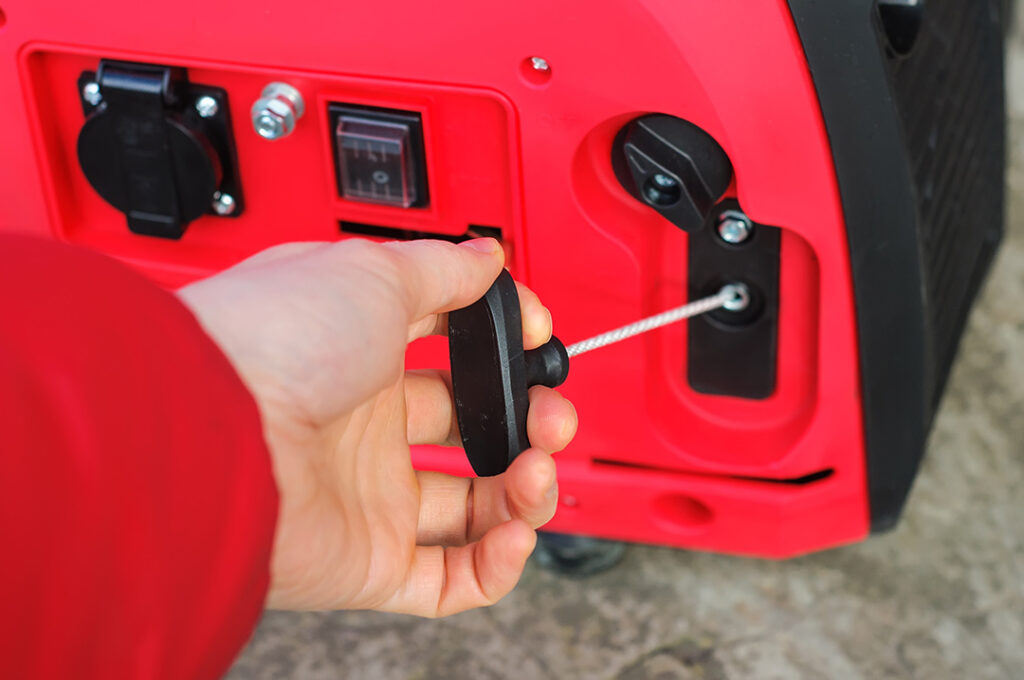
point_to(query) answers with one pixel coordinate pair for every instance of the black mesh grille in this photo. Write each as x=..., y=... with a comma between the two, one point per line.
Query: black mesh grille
x=917, y=136
x=949, y=94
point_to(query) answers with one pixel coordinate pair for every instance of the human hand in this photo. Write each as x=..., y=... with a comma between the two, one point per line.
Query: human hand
x=318, y=332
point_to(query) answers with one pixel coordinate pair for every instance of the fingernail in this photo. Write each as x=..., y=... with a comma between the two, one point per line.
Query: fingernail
x=488, y=246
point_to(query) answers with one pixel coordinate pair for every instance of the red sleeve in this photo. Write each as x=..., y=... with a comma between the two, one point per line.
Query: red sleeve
x=137, y=503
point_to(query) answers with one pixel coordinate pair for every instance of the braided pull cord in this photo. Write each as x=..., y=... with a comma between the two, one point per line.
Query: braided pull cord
x=734, y=297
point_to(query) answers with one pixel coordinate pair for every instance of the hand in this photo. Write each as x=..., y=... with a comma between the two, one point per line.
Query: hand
x=318, y=332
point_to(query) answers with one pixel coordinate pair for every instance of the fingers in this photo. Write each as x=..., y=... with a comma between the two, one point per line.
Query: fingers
x=536, y=320
x=429, y=408
x=550, y=421
x=436, y=276
x=528, y=490
x=456, y=510
x=445, y=581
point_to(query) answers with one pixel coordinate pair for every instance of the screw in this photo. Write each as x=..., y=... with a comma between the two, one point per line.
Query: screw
x=91, y=93
x=739, y=297
x=207, y=106
x=664, y=181
x=269, y=125
x=224, y=204
x=734, y=227
x=276, y=112
x=662, y=190
x=540, y=64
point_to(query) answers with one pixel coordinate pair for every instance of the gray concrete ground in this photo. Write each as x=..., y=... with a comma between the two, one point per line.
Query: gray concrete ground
x=940, y=597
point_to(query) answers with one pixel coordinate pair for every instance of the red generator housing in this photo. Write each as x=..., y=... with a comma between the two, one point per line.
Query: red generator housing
x=864, y=141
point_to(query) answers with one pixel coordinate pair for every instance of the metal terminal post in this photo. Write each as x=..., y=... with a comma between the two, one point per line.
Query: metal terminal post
x=276, y=112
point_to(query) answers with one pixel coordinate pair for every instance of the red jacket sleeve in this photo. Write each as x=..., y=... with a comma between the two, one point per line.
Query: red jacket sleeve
x=137, y=503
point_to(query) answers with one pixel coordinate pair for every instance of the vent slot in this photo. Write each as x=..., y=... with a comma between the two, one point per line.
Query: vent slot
x=803, y=480
x=400, y=234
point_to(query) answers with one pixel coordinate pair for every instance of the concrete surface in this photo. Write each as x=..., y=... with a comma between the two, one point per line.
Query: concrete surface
x=941, y=597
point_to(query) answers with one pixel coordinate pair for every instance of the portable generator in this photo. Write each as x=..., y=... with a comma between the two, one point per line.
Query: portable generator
x=843, y=159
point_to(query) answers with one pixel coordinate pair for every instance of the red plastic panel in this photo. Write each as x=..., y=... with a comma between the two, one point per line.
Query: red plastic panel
x=722, y=514
x=526, y=151
x=290, y=191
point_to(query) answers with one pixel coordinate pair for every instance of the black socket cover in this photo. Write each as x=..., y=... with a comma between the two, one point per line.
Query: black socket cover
x=114, y=172
x=145, y=150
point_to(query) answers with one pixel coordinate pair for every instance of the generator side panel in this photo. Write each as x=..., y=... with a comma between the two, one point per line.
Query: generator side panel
x=491, y=141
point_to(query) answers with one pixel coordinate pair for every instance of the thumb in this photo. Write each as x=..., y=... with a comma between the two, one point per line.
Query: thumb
x=437, y=276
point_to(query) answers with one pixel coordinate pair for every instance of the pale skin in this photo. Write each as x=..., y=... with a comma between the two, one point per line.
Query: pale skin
x=318, y=332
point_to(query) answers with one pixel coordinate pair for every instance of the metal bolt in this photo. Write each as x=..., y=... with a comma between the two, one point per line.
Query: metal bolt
x=224, y=204
x=734, y=227
x=91, y=93
x=276, y=112
x=540, y=64
x=269, y=126
x=207, y=106
x=664, y=181
x=739, y=297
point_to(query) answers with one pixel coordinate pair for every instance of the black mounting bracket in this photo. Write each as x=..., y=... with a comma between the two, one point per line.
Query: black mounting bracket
x=734, y=353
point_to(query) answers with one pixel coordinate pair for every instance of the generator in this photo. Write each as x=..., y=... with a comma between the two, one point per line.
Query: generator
x=844, y=160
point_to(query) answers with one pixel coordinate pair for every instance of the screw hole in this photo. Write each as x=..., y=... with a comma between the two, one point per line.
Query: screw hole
x=743, y=309
x=535, y=70
x=739, y=297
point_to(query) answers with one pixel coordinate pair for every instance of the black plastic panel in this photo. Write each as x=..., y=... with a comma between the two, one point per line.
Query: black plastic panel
x=916, y=131
x=949, y=97
x=734, y=353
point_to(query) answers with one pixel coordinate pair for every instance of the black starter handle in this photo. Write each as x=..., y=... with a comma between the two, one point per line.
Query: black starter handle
x=491, y=375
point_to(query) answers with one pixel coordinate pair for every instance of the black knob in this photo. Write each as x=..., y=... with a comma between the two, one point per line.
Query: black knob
x=491, y=375
x=548, y=365
x=673, y=166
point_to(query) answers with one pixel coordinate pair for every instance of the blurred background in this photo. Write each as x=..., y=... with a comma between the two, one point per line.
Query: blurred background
x=941, y=596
